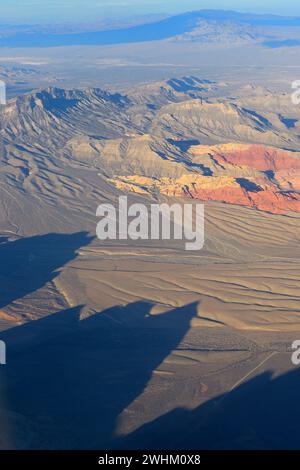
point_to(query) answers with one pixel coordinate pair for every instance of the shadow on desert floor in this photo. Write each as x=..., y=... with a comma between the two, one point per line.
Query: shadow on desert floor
x=262, y=413
x=27, y=264
x=72, y=379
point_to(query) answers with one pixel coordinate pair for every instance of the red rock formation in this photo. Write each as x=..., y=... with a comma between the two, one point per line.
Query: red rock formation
x=258, y=157
x=272, y=186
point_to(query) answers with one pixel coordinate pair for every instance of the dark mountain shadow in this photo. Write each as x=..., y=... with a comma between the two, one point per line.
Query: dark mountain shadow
x=248, y=185
x=186, y=84
x=27, y=264
x=289, y=123
x=206, y=171
x=72, y=378
x=263, y=413
x=184, y=145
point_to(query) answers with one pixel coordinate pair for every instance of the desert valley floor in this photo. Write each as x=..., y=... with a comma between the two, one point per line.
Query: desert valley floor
x=147, y=345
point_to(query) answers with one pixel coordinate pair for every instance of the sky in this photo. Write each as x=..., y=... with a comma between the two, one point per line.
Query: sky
x=58, y=11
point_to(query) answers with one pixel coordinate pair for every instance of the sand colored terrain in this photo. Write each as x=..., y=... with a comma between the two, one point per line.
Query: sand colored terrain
x=245, y=278
x=118, y=335
x=67, y=171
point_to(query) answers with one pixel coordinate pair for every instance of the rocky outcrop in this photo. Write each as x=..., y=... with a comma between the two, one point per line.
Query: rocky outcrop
x=256, y=176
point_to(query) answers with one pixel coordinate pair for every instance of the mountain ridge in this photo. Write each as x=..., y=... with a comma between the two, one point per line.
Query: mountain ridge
x=185, y=142
x=165, y=28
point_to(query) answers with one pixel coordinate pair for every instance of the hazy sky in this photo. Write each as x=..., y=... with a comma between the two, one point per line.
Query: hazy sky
x=28, y=11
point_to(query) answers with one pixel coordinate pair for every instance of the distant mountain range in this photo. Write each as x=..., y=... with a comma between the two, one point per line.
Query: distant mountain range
x=162, y=29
